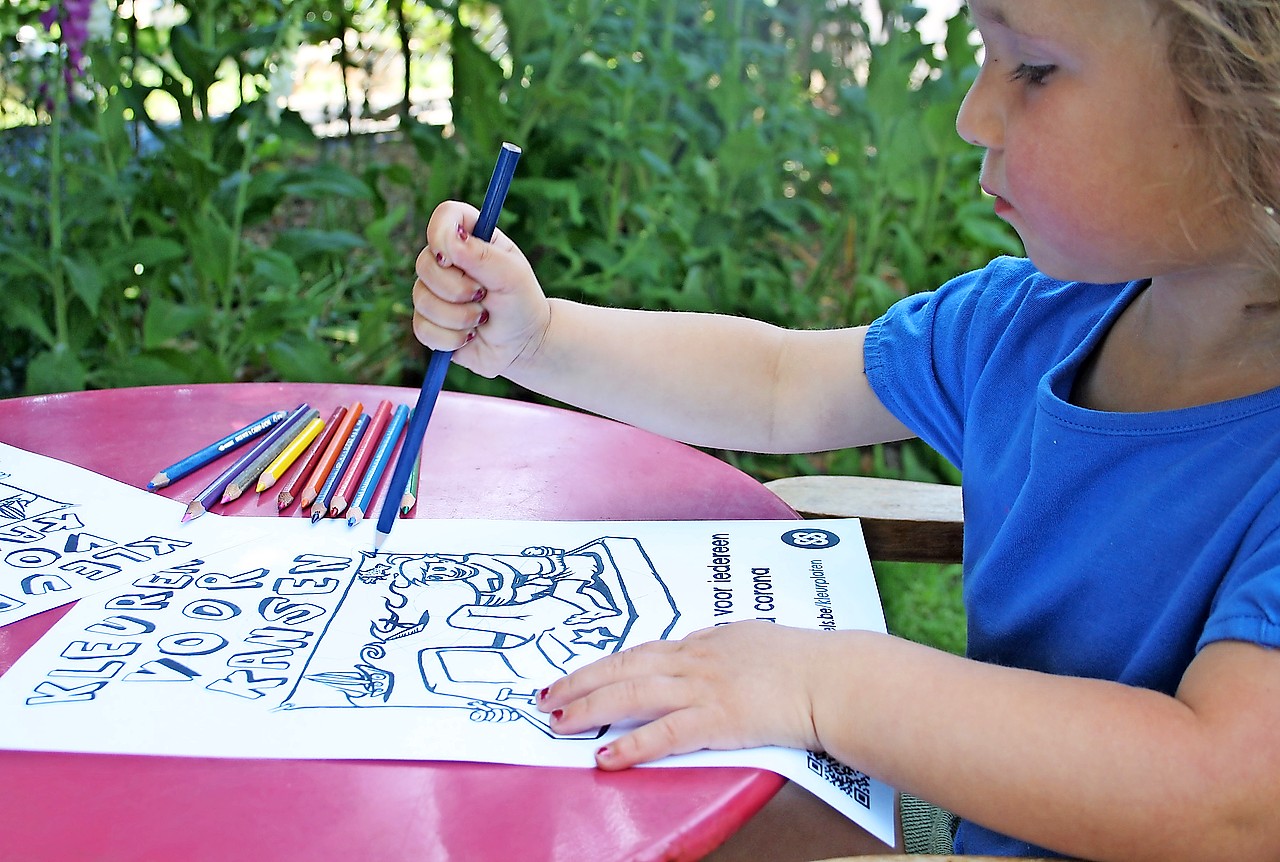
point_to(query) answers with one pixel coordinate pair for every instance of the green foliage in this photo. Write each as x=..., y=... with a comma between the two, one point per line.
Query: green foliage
x=741, y=156
x=142, y=252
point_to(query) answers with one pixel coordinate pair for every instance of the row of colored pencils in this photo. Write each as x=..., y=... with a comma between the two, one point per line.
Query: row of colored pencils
x=336, y=463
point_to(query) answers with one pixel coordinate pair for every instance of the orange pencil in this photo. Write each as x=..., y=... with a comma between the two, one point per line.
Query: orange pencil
x=360, y=460
x=289, y=494
x=324, y=466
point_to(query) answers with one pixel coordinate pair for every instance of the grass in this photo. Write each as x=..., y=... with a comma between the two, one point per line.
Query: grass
x=922, y=602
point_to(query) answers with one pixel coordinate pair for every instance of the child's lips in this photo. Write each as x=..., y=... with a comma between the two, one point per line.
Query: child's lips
x=1001, y=205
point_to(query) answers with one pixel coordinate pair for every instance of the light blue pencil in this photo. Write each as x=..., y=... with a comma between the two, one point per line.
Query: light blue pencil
x=381, y=457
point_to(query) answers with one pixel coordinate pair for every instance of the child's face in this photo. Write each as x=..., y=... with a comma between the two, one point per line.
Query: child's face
x=1090, y=151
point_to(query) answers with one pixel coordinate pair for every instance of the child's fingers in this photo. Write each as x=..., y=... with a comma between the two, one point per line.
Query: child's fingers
x=676, y=732
x=638, y=662
x=445, y=314
x=498, y=265
x=635, y=698
x=449, y=283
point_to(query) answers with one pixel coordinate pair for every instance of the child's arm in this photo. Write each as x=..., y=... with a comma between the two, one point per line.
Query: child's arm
x=707, y=379
x=1094, y=769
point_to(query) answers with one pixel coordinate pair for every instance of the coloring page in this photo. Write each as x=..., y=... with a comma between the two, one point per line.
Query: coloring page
x=307, y=644
x=66, y=532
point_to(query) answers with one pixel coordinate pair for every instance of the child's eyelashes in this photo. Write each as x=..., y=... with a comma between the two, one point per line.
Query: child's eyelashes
x=1032, y=76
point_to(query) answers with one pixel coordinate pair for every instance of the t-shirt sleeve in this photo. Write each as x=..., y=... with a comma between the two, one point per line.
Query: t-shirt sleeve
x=1247, y=604
x=925, y=354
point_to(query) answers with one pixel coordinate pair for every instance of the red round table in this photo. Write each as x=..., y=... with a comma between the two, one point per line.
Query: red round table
x=482, y=458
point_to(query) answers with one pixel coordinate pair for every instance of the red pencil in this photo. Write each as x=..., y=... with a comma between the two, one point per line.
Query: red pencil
x=342, y=495
x=311, y=489
x=291, y=492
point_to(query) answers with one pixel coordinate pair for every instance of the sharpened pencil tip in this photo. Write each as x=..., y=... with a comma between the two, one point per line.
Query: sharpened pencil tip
x=378, y=538
x=315, y=517
x=159, y=480
x=195, y=510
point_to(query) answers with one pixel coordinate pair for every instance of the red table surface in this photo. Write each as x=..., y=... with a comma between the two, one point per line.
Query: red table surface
x=482, y=458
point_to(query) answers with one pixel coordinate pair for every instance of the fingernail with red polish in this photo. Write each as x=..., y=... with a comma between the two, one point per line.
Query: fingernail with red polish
x=462, y=233
x=602, y=753
x=440, y=259
x=542, y=695
x=484, y=317
x=480, y=294
x=557, y=714
x=470, y=337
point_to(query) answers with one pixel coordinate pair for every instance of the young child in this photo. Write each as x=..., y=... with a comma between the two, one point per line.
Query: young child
x=1113, y=402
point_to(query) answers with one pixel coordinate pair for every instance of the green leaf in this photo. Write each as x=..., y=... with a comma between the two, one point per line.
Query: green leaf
x=328, y=181
x=55, y=370
x=306, y=243
x=30, y=264
x=85, y=281
x=147, y=252
x=20, y=315
x=378, y=231
x=166, y=321
x=17, y=193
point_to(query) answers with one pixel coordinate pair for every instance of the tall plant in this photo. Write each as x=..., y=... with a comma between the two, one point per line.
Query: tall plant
x=141, y=249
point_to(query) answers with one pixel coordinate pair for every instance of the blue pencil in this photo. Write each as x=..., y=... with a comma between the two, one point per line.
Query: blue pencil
x=210, y=495
x=494, y=197
x=381, y=457
x=213, y=451
x=321, y=504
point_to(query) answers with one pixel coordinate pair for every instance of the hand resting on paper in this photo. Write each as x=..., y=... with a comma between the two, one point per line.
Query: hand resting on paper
x=734, y=686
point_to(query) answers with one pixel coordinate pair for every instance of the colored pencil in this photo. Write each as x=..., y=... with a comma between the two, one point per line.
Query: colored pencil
x=369, y=484
x=206, y=498
x=495, y=195
x=343, y=494
x=349, y=446
x=213, y=451
x=324, y=466
x=290, y=429
x=294, y=489
x=285, y=459
x=410, y=497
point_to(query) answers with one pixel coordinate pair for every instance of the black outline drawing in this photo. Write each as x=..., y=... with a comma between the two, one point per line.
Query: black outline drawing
x=480, y=631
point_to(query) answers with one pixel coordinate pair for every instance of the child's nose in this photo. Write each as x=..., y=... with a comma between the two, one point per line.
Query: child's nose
x=979, y=121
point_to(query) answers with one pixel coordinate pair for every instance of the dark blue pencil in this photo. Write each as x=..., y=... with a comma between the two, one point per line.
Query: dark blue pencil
x=438, y=365
x=213, y=451
x=321, y=504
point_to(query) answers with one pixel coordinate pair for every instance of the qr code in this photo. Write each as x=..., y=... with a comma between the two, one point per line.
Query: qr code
x=849, y=781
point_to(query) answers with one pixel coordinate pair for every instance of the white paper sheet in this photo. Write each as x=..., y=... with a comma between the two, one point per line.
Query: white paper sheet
x=306, y=644
x=66, y=532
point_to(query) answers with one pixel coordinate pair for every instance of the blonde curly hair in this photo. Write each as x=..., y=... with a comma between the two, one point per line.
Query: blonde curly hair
x=1225, y=56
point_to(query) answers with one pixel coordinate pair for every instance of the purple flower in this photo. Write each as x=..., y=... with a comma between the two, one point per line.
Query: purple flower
x=72, y=18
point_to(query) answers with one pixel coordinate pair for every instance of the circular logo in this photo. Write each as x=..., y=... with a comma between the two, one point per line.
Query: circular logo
x=810, y=537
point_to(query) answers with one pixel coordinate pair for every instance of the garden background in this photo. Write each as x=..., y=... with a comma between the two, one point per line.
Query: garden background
x=221, y=190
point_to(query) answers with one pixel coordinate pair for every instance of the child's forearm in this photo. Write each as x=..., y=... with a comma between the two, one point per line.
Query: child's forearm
x=1094, y=769
x=711, y=380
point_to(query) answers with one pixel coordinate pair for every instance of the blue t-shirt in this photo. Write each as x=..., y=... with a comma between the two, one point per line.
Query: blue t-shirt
x=1103, y=545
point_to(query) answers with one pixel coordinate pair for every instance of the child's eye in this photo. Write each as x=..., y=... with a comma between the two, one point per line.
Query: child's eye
x=1032, y=76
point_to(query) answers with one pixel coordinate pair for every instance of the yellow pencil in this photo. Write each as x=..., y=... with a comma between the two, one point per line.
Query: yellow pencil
x=285, y=459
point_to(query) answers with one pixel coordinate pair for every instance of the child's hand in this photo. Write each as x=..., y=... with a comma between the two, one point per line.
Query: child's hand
x=478, y=298
x=733, y=686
